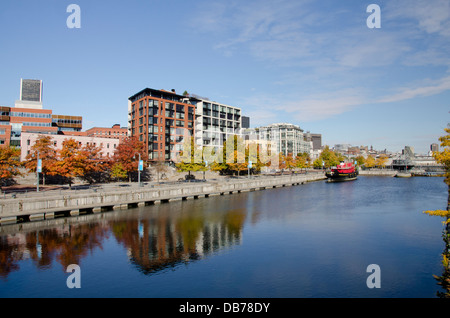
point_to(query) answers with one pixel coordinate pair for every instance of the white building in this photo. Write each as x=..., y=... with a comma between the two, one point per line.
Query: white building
x=215, y=122
x=285, y=138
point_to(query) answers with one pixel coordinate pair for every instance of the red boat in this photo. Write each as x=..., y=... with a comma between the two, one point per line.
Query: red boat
x=345, y=171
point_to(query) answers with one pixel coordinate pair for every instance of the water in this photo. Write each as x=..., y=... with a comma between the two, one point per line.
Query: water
x=312, y=240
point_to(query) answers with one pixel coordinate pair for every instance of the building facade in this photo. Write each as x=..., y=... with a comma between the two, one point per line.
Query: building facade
x=114, y=132
x=285, y=138
x=28, y=115
x=160, y=119
x=108, y=145
x=215, y=122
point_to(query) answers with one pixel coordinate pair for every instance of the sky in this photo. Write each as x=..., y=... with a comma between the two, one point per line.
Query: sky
x=316, y=64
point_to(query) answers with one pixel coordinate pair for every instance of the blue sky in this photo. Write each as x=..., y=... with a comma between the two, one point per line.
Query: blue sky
x=311, y=63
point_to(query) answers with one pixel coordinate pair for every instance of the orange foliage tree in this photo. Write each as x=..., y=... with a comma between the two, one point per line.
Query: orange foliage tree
x=9, y=163
x=95, y=166
x=71, y=163
x=47, y=153
x=126, y=154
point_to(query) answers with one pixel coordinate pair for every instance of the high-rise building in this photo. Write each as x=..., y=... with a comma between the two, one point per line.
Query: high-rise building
x=153, y=118
x=215, y=122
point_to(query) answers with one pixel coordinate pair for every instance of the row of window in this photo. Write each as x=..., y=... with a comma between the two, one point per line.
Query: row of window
x=25, y=114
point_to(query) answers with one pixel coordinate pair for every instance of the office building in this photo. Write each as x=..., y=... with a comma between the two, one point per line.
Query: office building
x=28, y=115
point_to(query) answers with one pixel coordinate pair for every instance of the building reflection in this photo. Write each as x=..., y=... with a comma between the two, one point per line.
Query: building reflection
x=166, y=242
x=154, y=241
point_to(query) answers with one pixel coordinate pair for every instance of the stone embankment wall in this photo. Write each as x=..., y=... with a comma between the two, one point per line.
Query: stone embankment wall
x=50, y=205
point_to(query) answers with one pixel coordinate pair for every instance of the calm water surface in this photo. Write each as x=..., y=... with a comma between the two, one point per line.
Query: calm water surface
x=313, y=240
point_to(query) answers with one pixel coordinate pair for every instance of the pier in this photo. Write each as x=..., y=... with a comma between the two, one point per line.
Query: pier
x=53, y=205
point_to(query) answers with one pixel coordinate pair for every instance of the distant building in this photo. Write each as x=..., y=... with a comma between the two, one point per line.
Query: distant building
x=245, y=122
x=31, y=90
x=28, y=115
x=114, y=132
x=286, y=138
x=316, y=141
x=434, y=147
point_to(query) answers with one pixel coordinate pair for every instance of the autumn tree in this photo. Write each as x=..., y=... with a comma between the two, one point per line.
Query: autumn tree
x=127, y=154
x=44, y=149
x=117, y=171
x=290, y=162
x=95, y=164
x=159, y=167
x=370, y=162
x=71, y=161
x=360, y=160
x=9, y=163
x=381, y=161
x=443, y=157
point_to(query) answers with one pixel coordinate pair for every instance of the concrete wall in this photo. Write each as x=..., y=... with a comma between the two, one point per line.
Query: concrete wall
x=52, y=205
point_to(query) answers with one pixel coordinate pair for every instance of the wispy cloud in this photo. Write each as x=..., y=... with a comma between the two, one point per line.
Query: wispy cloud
x=334, y=63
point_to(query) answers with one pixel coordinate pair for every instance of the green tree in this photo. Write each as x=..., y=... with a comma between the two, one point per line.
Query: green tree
x=191, y=158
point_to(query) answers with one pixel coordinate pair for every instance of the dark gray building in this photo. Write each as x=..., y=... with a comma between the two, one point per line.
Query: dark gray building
x=31, y=90
x=317, y=141
x=245, y=122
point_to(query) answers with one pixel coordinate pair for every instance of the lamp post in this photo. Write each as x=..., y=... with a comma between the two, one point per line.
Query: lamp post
x=140, y=168
x=38, y=169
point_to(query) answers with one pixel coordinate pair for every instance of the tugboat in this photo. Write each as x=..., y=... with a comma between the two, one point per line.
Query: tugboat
x=345, y=171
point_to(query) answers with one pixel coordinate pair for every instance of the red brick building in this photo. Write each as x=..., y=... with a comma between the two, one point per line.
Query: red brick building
x=154, y=116
x=114, y=132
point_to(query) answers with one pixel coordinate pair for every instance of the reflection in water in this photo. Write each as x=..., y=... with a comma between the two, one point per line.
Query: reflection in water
x=154, y=241
x=66, y=244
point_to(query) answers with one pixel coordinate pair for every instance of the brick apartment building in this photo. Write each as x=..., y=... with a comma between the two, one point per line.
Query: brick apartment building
x=154, y=116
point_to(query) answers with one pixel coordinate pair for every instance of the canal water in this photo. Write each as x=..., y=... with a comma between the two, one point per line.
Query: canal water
x=311, y=240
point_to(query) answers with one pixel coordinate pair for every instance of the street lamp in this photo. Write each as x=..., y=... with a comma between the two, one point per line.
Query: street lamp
x=140, y=168
x=38, y=168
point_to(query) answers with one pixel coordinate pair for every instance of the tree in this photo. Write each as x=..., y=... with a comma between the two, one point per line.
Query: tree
x=127, y=154
x=9, y=163
x=370, y=162
x=360, y=160
x=290, y=162
x=117, y=171
x=71, y=163
x=95, y=165
x=47, y=154
x=191, y=158
x=159, y=167
x=381, y=161
x=443, y=157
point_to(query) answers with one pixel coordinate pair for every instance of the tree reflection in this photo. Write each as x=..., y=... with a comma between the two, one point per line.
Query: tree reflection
x=66, y=244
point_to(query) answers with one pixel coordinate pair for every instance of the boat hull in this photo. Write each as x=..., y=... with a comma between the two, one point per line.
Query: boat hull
x=341, y=177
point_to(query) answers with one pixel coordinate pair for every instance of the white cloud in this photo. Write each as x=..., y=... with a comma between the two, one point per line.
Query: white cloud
x=421, y=91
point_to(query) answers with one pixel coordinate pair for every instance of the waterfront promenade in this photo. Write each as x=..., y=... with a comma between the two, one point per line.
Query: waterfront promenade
x=57, y=203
